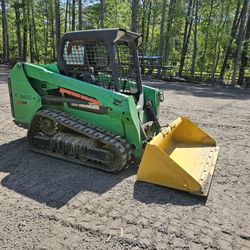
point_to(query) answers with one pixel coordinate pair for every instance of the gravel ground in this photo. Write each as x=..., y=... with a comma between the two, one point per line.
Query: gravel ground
x=46, y=203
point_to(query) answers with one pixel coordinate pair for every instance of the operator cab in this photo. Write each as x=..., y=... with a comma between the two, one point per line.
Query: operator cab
x=106, y=57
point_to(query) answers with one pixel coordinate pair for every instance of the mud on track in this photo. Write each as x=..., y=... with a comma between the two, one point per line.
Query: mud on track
x=46, y=203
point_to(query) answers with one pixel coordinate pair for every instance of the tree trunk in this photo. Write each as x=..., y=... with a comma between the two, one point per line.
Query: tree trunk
x=232, y=36
x=148, y=23
x=66, y=16
x=144, y=11
x=146, y=45
x=102, y=14
x=240, y=39
x=216, y=61
x=206, y=38
x=18, y=28
x=25, y=30
x=163, y=14
x=218, y=38
x=195, y=39
x=34, y=33
x=30, y=36
x=244, y=57
x=80, y=14
x=134, y=11
x=5, y=34
x=58, y=25
x=73, y=15
x=169, y=28
x=46, y=37
x=52, y=34
x=186, y=37
x=152, y=34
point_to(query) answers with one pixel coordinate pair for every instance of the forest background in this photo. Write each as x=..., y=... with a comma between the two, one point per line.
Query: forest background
x=203, y=40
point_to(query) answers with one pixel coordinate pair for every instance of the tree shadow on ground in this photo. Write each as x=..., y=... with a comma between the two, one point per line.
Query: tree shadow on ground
x=3, y=77
x=49, y=180
x=54, y=182
x=150, y=193
x=203, y=90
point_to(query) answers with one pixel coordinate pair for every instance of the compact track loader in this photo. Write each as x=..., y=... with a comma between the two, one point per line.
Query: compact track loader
x=92, y=109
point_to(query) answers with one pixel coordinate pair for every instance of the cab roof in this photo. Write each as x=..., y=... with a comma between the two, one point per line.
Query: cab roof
x=107, y=35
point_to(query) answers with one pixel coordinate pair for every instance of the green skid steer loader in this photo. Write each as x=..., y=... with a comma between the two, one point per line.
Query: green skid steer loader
x=92, y=109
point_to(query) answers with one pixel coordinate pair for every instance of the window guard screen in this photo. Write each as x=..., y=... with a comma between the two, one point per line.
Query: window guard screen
x=89, y=61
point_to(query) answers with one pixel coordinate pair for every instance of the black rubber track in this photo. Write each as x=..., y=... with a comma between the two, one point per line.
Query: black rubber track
x=120, y=149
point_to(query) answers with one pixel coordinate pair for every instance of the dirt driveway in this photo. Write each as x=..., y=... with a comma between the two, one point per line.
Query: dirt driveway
x=46, y=203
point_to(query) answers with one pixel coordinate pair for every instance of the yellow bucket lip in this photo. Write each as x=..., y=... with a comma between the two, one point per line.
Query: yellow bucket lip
x=206, y=179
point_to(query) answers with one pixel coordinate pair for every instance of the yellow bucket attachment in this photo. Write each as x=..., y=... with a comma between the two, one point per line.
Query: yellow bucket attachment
x=181, y=157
